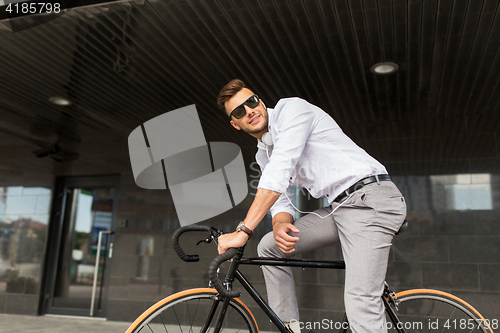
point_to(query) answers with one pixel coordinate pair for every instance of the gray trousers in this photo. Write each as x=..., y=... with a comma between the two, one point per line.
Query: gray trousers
x=364, y=226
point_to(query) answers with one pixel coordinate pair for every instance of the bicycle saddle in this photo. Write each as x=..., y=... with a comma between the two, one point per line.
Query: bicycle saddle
x=404, y=226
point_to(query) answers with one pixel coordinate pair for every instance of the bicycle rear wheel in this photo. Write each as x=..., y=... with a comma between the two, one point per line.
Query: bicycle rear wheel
x=188, y=311
x=426, y=310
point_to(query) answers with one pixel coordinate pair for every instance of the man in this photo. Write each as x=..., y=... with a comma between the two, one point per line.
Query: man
x=306, y=147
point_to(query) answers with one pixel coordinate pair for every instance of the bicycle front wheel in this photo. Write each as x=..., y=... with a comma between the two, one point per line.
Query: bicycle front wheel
x=426, y=310
x=194, y=311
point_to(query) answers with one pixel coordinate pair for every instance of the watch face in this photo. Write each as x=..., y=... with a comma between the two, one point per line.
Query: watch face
x=239, y=226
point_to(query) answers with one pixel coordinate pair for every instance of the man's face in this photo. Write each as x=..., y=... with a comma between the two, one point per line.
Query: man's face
x=255, y=120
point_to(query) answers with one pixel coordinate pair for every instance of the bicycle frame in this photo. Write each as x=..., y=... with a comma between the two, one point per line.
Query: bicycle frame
x=234, y=273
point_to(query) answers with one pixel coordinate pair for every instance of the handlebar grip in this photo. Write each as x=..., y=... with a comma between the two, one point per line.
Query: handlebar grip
x=212, y=274
x=177, y=247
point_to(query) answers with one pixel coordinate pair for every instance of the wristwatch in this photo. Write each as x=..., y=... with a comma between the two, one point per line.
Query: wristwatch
x=241, y=227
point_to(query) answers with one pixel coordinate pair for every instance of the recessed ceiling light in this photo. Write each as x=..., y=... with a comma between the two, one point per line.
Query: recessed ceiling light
x=384, y=68
x=60, y=101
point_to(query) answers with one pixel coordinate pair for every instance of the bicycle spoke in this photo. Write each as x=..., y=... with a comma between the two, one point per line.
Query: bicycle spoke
x=177, y=317
x=226, y=320
x=241, y=328
x=449, y=317
x=436, y=312
x=421, y=319
x=194, y=316
x=440, y=307
x=207, y=317
x=164, y=326
x=196, y=312
x=189, y=318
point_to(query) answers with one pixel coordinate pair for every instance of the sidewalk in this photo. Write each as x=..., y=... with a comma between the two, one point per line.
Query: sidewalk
x=45, y=324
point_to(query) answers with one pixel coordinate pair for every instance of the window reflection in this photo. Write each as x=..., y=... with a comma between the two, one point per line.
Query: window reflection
x=465, y=191
x=445, y=192
x=24, y=215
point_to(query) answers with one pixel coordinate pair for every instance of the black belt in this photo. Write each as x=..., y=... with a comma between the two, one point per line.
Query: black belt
x=363, y=182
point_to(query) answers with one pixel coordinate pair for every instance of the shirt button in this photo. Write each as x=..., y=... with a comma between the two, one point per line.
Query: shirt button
x=290, y=178
x=327, y=195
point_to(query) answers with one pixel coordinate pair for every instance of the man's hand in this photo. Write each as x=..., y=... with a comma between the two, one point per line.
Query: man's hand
x=285, y=242
x=234, y=239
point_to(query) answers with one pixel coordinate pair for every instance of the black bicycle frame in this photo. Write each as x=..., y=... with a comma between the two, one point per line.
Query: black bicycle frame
x=234, y=273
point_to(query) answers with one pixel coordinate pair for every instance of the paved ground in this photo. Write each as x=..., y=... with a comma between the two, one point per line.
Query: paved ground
x=45, y=324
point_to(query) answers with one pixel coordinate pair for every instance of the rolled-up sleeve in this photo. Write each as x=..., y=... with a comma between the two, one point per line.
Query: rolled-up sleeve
x=295, y=122
x=283, y=205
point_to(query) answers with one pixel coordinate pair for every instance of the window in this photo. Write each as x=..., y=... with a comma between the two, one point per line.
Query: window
x=466, y=191
x=24, y=215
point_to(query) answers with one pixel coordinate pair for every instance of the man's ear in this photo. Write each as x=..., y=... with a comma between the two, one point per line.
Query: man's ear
x=234, y=125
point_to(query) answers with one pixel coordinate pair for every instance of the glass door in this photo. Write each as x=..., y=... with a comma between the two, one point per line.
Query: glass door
x=81, y=259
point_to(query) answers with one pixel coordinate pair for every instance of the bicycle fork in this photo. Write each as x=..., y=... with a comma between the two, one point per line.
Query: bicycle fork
x=231, y=275
x=233, y=266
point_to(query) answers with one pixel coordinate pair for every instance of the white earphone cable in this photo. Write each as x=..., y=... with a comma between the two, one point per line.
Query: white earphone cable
x=333, y=210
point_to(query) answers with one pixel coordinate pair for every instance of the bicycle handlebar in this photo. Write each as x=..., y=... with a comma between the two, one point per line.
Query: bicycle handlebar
x=177, y=247
x=212, y=269
x=212, y=274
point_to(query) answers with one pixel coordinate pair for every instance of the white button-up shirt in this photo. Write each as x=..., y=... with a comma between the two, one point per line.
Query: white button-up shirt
x=310, y=150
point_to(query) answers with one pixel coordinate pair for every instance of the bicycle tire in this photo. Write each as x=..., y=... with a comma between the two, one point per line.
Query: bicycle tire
x=186, y=312
x=426, y=310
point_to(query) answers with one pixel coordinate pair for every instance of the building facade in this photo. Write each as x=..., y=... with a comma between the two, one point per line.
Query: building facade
x=79, y=237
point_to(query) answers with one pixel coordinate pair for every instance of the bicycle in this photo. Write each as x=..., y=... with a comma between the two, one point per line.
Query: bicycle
x=195, y=310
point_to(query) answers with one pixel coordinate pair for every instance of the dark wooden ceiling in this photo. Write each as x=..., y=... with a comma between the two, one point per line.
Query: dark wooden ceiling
x=123, y=63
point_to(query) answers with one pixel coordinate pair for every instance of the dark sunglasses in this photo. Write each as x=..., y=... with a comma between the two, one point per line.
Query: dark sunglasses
x=239, y=111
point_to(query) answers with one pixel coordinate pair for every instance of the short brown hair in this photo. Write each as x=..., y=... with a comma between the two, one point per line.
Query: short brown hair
x=228, y=91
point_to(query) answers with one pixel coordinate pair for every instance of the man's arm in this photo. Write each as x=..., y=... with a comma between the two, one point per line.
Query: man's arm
x=296, y=122
x=264, y=200
x=282, y=223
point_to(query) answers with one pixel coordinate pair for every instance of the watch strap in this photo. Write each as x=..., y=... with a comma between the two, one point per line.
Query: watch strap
x=242, y=227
